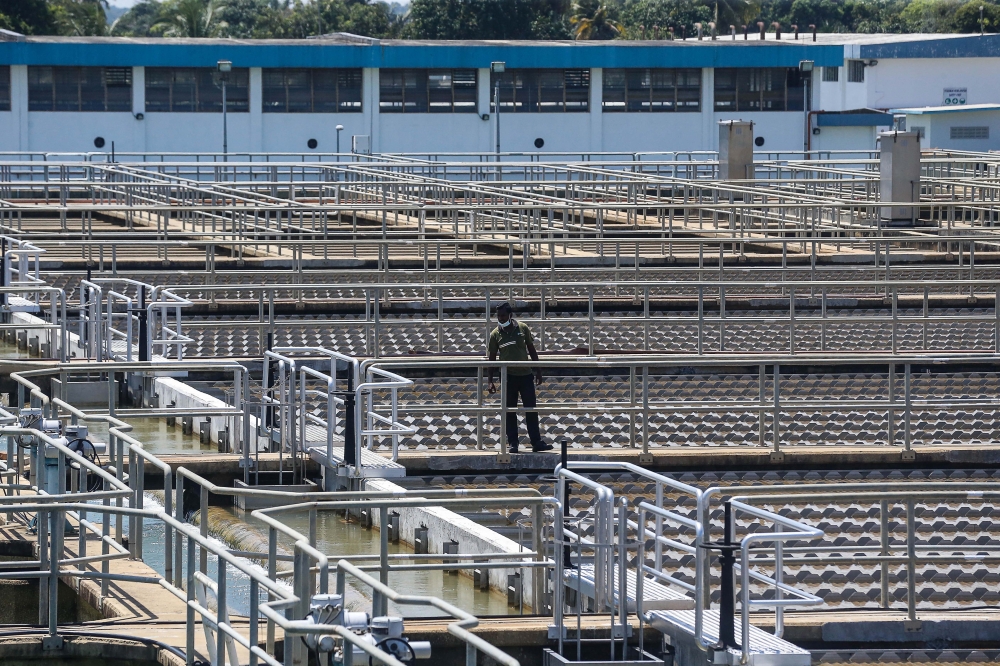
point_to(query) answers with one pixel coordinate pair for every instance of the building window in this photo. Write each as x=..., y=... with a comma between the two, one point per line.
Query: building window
x=759, y=89
x=831, y=74
x=79, y=89
x=311, y=90
x=196, y=89
x=4, y=88
x=652, y=90
x=542, y=90
x=921, y=131
x=856, y=71
x=427, y=90
x=970, y=132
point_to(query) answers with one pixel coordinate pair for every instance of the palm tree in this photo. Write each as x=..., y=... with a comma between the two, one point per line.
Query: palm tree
x=81, y=17
x=191, y=18
x=592, y=19
x=736, y=11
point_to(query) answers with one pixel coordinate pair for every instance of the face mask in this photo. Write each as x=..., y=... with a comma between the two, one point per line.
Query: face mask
x=506, y=323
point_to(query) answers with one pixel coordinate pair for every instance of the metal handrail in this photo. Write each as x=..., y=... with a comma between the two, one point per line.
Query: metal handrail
x=798, y=305
x=899, y=404
x=793, y=530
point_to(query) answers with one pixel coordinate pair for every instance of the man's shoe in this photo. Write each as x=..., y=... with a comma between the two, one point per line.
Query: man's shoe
x=541, y=448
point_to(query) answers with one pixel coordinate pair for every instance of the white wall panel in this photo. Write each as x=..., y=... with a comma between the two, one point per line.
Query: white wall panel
x=782, y=130
x=921, y=81
x=9, y=135
x=641, y=132
x=195, y=132
x=441, y=132
x=562, y=132
x=290, y=132
x=68, y=131
x=844, y=138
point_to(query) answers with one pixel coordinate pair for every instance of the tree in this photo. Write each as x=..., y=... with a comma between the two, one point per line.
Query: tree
x=735, y=12
x=190, y=18
x=250, y=19
x=652, y=19
x=28, y=17
x=966, y=18
x=930, y=16
x=80, y=17
x=369, y=19
x=871, y=16
x=137, y=21
x=826, y=15
x=487, y=19
x=594, y=19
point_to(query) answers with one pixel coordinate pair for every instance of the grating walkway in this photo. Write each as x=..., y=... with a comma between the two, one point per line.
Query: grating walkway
x=848, y=524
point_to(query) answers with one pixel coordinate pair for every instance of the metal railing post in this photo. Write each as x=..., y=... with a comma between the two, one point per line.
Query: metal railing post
x=907, y=396
x=884, y=552
x=911, y=562
x=776, y=431
x=504, y=444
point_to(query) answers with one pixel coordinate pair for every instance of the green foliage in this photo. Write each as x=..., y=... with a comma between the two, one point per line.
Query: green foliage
x=190, y=18
x=79, y=17
x=929, y=15
x=734, y=12
x=248, y=19
x=137, y=21
x=966, y=18
x=28, y=17
x=489, y=19
x=595, y=19
x=652, y=19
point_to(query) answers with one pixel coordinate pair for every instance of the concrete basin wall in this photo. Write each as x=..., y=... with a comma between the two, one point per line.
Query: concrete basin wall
x=444, y=525
x=183, y=397
x=28, y=320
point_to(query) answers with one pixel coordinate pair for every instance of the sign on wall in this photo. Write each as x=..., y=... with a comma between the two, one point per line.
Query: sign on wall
x=955, y=96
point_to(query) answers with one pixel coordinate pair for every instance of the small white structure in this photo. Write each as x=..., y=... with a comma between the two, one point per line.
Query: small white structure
x=899, y=170
x=735, y=150
x=972, y=127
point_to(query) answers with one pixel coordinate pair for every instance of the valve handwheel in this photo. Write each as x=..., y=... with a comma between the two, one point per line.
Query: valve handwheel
x=397, y=647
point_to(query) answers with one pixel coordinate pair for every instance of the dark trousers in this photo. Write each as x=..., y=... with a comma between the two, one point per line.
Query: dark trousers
x=525, y=386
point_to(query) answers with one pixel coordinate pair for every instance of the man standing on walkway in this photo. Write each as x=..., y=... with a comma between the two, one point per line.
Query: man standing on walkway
x=512, y=340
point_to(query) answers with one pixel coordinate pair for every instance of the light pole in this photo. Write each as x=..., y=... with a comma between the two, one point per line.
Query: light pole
x=224, y=67
x=340, y=128
x=806, y=68
x=497, y=67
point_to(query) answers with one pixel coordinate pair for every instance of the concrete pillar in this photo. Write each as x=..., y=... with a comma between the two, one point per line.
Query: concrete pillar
x=370, y=93
x=256, y=100
x=899, y=171
x=139, y=109
x=709, y=133
x=596, y=110
x=735, y=149
x=484, y=95
x=19, y=104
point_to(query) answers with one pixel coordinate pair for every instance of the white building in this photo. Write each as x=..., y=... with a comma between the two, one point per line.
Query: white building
x=163, y=95
x=973, y=127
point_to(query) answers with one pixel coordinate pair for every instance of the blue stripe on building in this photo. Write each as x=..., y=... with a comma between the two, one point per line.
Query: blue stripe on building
x=315, y=53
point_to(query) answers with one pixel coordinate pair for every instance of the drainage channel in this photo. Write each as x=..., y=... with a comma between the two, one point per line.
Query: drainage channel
x=336, y=537
x=157, y=436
